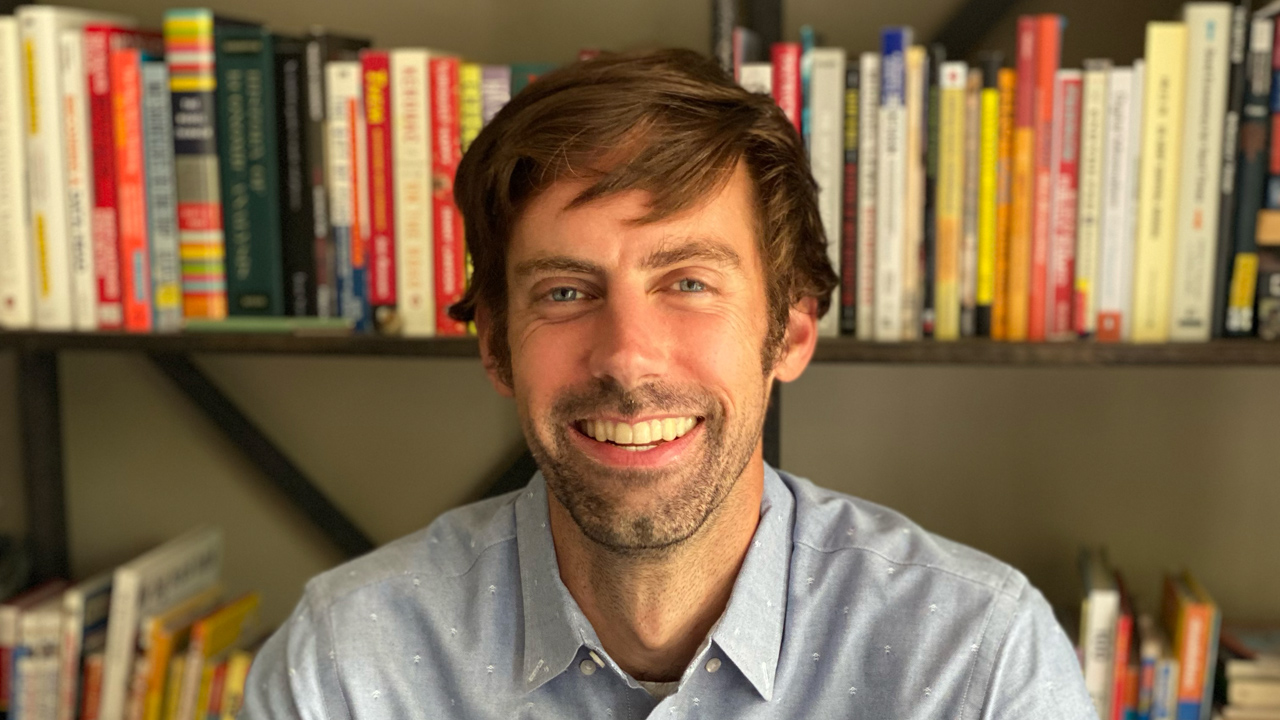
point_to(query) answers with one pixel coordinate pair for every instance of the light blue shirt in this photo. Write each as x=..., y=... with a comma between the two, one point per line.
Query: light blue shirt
x=842, y=609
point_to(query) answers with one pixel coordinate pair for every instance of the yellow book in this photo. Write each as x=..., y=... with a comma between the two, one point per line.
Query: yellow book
x=1158, y=179
x=950, y=199
x=470, y=119
x=173, y=687
x=988, y=189
x=233, y=691
x=212, y=638
x=165, y=634
x=1007, y=80
x=913, y=222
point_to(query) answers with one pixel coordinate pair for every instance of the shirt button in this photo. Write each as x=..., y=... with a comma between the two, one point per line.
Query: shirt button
x=587, y=667
x=713, y=665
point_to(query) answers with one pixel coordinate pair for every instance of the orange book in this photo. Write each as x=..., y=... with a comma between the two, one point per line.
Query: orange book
x=131, y=189
x=1023, y=179
x=1048, y=57
x=1189, y=622
x=1006, y=81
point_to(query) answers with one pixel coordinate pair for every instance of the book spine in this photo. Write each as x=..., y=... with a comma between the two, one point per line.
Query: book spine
x=298, y=242
x=1237, y=84
x=1269, y=292
x=411, y=143
x=913, y=221
x=250, y=177
x=122, y=626
x=950, y=199
x=470, y=110
x=79, y=179
x=786, y=80
x=132, y=191
x=46, y=172
x=1199, y=195
x=1008, y=82
x=16, y=310
x=166, y=270
x=891, y=184
x=1093, y=128
x=1120, y=666
x=189, y=52
x=929, y=313
x=868, y=158
x=99, y=41
x=1048, y=54
x=376, y=72
x=972, y=179
x=69, y=654
x=1060, y=277
x=1023, y=182
x=1116, y=242
x=1098, y=643
x=848, y=307
x=446, y=152
x=826, y=115
x=342, y=86
x=988, y=195
x=495, y=90
x=1158, y=191
x=1192, y=640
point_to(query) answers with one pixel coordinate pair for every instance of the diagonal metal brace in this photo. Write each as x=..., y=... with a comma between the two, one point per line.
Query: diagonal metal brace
x=275, y=466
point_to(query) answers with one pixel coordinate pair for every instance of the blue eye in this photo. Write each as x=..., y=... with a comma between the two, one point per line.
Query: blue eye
x=563, y=294
x=691, y=285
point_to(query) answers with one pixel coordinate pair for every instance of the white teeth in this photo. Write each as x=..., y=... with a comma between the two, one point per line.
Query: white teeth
x=641, y=435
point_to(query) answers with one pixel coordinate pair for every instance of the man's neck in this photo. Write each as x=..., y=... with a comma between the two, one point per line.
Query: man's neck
x=652, y=613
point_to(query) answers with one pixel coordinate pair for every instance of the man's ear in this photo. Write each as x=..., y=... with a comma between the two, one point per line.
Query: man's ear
x=800, y=340
x=492, y=367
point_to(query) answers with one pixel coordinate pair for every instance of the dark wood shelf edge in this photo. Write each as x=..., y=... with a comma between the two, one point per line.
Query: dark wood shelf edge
x=1243, y=352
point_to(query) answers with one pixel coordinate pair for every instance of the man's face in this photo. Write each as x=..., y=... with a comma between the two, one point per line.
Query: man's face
x=636, y=355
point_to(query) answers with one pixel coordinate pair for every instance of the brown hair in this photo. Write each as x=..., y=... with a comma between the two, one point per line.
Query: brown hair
x=670, y=123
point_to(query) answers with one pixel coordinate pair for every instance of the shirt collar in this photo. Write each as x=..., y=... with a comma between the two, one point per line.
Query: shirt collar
x=750, y=630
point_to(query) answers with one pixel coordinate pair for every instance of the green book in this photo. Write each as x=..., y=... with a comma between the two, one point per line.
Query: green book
x=524, y=73
x=247, y=148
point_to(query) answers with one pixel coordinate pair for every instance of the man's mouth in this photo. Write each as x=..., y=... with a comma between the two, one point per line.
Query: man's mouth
x=637, y=436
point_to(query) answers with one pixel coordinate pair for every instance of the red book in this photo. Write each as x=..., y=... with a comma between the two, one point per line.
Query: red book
x=135, y=266
x=1048, y=57
x=1273, y=159
x=375, y=68
x=786, y=80
x=91, y=687
x=1022, y=195
x=446, y=152
x=1123, y=642
x=1062, y=248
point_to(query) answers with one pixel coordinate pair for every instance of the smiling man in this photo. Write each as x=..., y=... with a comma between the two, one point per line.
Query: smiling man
x=648, y=261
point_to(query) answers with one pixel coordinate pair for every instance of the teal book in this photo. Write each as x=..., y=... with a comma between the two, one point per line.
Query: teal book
x=247, y=155
x=524, y=73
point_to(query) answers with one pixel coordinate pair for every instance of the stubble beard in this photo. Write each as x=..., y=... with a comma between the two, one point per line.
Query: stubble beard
x=583, y=486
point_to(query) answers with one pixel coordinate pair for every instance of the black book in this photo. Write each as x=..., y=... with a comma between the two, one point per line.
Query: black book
x=297, y=209
x=937, y=56
x=1236, y=86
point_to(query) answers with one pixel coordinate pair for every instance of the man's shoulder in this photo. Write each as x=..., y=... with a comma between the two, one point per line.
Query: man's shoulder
x=446, y=549
x=832, y=522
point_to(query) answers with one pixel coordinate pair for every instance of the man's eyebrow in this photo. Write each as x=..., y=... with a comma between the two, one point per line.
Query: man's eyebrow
x=696, y=249
x=556, y=263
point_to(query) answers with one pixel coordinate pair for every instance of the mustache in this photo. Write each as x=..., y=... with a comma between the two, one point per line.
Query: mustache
x=608, y=396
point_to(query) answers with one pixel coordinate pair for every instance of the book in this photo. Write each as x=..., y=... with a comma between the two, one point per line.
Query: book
x=85, y=607
x=35, y=661
x=495, y=90
x=1123, y=644
x=168, y=574
x=1120, y=191
x=988, y=193
x=826, y=160
x=913, y=272
x=131, y=190
x=1162, y=125
x=1060, y=262
x=213, y=637
x=470, y=111
x=757, y=77
x=1048, y=58
x=74, y=105
x=848, y=307
x=249, y=171
x=868, y=160
x=59, y=232
x=972, y=180
x=1237, y=84
x=1268, y=311
x=891, y=184
x=786, y=80
x=164, y=634
x=11, y=612
x=233, y=691
x=298, y=241
x=1023, y=182
x=449, y=251
x=1008, y=80
x=16, y=289
x=950, y=216
x=929, y=314
x=524, y=73
x=381, y=247
x=1189, y=623
x=1201, y=596
x=1100, y=609
x=346, y=225
x=162, y=218
x=1199, y=194
x=412, y=168
x=1093, y=148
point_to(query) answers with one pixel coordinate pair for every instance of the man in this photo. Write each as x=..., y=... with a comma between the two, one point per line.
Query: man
x=648, y=260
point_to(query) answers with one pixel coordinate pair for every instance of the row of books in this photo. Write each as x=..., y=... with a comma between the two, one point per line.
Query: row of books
x=153, y=639
x=1035, y=202
x=1250, y=671
x=153, y=181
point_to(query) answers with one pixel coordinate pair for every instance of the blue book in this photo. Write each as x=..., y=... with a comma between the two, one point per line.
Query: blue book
x=808, y=41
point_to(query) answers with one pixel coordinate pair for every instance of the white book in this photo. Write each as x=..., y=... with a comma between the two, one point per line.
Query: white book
x=917, y=135
x=1093, y=149
x=166, y=575
x=756, y=77
x=1195, y=247
x=891, y=187
x=342, y=85
x=84, y=280
x=47, y=158
x=1119, y=193
x=411, y=150
x=35, y=663
x=84, y=628
x=16, y=310
x=1099, y=613
x=868, y=113
x=826, y=160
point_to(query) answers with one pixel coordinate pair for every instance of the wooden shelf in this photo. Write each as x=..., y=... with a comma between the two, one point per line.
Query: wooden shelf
x=1242, y=352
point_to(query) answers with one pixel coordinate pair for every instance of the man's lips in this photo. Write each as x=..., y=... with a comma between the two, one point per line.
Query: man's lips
x=650, y=454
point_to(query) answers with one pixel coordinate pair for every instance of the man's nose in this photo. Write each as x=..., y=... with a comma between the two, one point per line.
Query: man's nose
x=631, y=341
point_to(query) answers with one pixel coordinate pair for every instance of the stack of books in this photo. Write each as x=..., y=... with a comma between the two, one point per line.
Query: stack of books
x=1250, y=671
